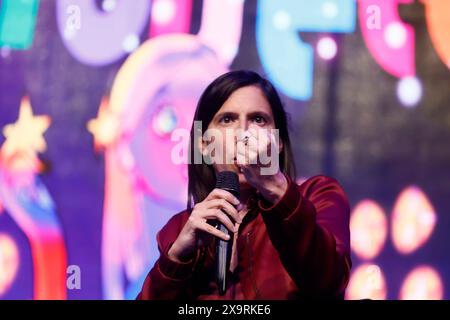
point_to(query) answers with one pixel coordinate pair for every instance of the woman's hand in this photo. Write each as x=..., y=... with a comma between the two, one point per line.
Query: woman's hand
x=197, y=232
x=257, y=156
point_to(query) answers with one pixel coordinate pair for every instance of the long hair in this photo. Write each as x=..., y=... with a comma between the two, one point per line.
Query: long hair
x=201, y=176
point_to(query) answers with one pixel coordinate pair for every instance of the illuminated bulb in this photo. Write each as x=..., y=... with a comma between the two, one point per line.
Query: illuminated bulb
x=109, y=5
x=281, y=20
x=409, y=91
x=131, y=43
x=395, y=35
x=330, y=10
x=163, y=11
x=327, y=48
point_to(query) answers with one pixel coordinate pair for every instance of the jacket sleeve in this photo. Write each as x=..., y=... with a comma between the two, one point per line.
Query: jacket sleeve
x=168, y=280
x=309, y=227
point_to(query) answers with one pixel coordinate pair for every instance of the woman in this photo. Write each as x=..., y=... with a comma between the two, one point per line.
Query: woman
x=289, y=241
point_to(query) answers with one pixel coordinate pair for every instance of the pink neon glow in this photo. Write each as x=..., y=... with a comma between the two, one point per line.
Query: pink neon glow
x=368, y=227
x=422, y=283
x=413, y=220
x=367, y=282
x=170, y=16
x=222, y=26
x=392, y=44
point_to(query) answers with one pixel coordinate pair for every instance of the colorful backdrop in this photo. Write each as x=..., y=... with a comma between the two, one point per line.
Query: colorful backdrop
x=91, y=90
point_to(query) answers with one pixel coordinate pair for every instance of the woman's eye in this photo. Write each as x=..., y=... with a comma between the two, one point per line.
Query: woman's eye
x=226, y=119
x=260, y=119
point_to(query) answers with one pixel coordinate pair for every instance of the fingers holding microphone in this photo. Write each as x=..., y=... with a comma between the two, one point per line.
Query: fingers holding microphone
x=199, y=231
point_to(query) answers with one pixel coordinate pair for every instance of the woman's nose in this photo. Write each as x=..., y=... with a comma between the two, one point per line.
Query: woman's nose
x=243, y=124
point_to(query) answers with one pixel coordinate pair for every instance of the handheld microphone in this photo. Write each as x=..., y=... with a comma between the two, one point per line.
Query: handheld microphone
x=229, y=181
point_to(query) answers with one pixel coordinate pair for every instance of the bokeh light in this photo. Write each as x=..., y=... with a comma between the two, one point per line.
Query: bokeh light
x=368, y=227
x=409, y=91
x=367, y=282
x=164, y=11
x=395, y=35
x=281, y=20
x=131, y=43
x=109, y=5
x=413, y=220
x=422, y=283
x=330, y=9
x=327, y=48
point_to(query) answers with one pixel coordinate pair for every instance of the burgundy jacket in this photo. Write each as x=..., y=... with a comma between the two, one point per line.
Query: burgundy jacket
x=296, y=248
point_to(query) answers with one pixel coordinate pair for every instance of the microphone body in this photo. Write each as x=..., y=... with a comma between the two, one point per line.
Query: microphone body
x=229, y=181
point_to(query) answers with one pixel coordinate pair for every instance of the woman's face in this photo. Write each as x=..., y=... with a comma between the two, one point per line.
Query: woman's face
x=246, y=109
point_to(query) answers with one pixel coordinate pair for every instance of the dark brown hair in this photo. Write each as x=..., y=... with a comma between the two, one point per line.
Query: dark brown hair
x=202, y=177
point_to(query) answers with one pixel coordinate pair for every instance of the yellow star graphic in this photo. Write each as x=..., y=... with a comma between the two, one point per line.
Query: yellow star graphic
x=24, y=139
x=105, y=127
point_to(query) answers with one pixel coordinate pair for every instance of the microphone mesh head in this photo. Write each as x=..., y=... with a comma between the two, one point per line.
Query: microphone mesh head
x=228, y=180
